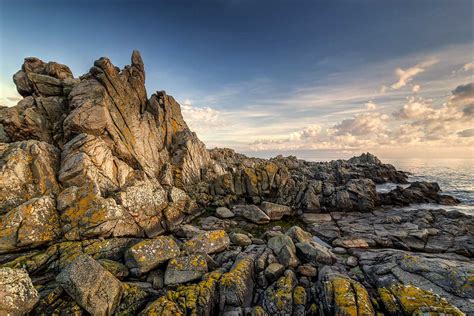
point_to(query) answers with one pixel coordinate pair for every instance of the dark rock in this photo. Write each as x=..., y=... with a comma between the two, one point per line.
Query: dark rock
x=273, y=271
x=284, y=249
x=224, y=212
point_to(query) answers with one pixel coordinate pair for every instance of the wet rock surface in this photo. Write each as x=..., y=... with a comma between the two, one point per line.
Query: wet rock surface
x=110, y=205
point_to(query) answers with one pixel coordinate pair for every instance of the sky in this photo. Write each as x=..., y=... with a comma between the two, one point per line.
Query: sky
x=310, y=78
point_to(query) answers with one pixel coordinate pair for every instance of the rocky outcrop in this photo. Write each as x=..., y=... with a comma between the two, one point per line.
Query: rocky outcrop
x=92, y=287
x=18, y=296
x=107, y=203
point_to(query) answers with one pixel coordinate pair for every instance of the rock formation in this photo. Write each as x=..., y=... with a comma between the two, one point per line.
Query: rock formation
x=111, y=205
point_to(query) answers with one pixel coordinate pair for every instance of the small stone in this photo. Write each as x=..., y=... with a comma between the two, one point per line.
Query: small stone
x=258, y=241
x=240, y=239
x=17, y=294
x=274, y=271
x=351, y=243
x=185, y=269
x=352, y=261
x=307, y=270
x=339, y=250
x=91, y=286
x=148, y=254
x=224, y=212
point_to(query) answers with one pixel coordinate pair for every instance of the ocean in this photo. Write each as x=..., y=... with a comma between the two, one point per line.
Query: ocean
x=454, y=176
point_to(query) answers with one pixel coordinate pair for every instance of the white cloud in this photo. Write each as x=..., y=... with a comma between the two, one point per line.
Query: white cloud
x=8, y=95
x=407, y=75
x=362, y=124
x=416, y=88
x=468, y=66
x=307, y=133
x=371, y=105
x=415, y=108
x=201, y=119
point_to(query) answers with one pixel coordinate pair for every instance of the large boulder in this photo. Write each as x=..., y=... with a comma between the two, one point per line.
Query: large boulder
x=401, y=299
x=91, y=286
x=17, y=294
x=86, y=214
x=284, y=249
x=275, y=211
x=311, y=251
x=278, y=298
x=251, y=212
x=148, y=254
x=236, y=286
x=38, y=118
x=207, y=242
x=341, y=295
x=41, y=79
x=185, y=269
x=445, y=275
x=31, y=224
x=199, y=298
x=27, y=170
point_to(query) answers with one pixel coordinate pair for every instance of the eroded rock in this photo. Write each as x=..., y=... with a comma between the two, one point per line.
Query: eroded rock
x=18, y=296
x=93, y=287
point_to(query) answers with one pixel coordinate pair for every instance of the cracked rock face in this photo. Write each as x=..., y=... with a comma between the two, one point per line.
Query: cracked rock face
x=106, y=199
x=18, y=296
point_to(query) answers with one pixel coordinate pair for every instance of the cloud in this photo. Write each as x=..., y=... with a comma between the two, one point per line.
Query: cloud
x=465, y=91
x=407, y=75
x=415, y=108
x=468, y=66
x=416, y=88
x=307, y=133
x=362, y=124
x=466, y=133
x=201, y=118
x=371, y=105
x=8, y=95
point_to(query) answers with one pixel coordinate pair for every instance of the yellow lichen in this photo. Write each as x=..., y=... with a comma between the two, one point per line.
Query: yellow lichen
x=344, y=298
x=299, y=296
x=415, y=300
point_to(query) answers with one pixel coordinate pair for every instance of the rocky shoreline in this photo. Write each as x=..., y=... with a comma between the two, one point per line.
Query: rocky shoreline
x=110, y=205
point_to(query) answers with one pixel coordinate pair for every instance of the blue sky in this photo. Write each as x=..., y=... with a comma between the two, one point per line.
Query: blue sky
x=275, y=76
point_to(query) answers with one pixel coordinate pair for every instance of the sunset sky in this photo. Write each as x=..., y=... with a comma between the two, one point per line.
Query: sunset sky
x=313, y=78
